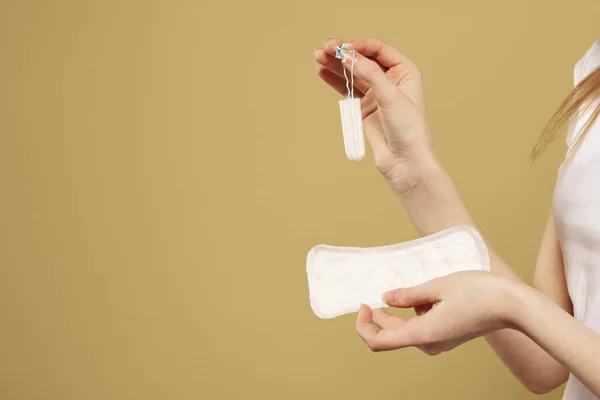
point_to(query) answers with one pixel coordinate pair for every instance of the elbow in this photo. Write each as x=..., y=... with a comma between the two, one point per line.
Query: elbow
x=539, y=388
x=542, y=385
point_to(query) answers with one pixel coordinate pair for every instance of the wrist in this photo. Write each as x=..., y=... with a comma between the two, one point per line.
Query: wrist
x=516, y=304
x=413, y=174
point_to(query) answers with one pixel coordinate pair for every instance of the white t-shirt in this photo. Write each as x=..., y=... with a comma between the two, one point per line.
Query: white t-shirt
x=577, y=216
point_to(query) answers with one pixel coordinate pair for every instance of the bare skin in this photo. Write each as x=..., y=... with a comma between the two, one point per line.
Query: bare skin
x=530, y=328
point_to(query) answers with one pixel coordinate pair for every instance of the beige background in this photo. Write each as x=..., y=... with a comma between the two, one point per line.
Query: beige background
x=166, y=166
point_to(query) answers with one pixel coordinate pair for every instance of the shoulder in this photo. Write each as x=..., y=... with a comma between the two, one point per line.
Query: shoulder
x=584, y=66
x=588, y=63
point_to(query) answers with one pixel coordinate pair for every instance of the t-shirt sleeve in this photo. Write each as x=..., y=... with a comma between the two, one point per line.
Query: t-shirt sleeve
x=586, y=65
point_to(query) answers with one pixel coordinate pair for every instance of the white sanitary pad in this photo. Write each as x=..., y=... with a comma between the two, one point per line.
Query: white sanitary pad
x=341, y=278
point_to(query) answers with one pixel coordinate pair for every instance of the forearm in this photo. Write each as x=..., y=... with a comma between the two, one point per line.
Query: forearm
x=434, y=204
x=570, y=342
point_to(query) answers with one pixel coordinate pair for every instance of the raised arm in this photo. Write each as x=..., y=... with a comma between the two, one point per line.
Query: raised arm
x=397, y=131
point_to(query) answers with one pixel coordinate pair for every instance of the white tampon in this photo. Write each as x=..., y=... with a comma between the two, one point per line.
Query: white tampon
x=352, y=128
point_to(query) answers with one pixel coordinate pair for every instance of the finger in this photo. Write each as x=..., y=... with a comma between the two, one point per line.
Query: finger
x=333, y=80
x=382, y=52
x=387, y=56
x=383, y=88
x=384, y=320
x=426, y=293
x=391, y=339
x=364, y=326
x=409, y=334
x=375, y=137
x=330, y=45
x=330, y=62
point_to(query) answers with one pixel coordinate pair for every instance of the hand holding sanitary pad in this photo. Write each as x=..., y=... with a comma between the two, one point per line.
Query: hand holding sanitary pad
x=341, y=278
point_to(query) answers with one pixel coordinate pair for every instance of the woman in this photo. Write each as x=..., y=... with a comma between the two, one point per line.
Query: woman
x=545, y=334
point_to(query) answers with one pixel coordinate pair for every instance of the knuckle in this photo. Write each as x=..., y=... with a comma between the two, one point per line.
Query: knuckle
x=432, y=350
x=377, y=42
x=362, y=86
x=372, y=347
x=382, y=163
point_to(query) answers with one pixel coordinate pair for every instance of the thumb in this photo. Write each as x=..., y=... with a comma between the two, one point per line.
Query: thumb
x=412, y=296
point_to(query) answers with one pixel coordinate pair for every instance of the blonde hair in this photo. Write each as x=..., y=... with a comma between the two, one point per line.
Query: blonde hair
x=577, y=102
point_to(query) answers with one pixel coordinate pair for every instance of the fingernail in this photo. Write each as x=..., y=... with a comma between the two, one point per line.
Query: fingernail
x=388, y=297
